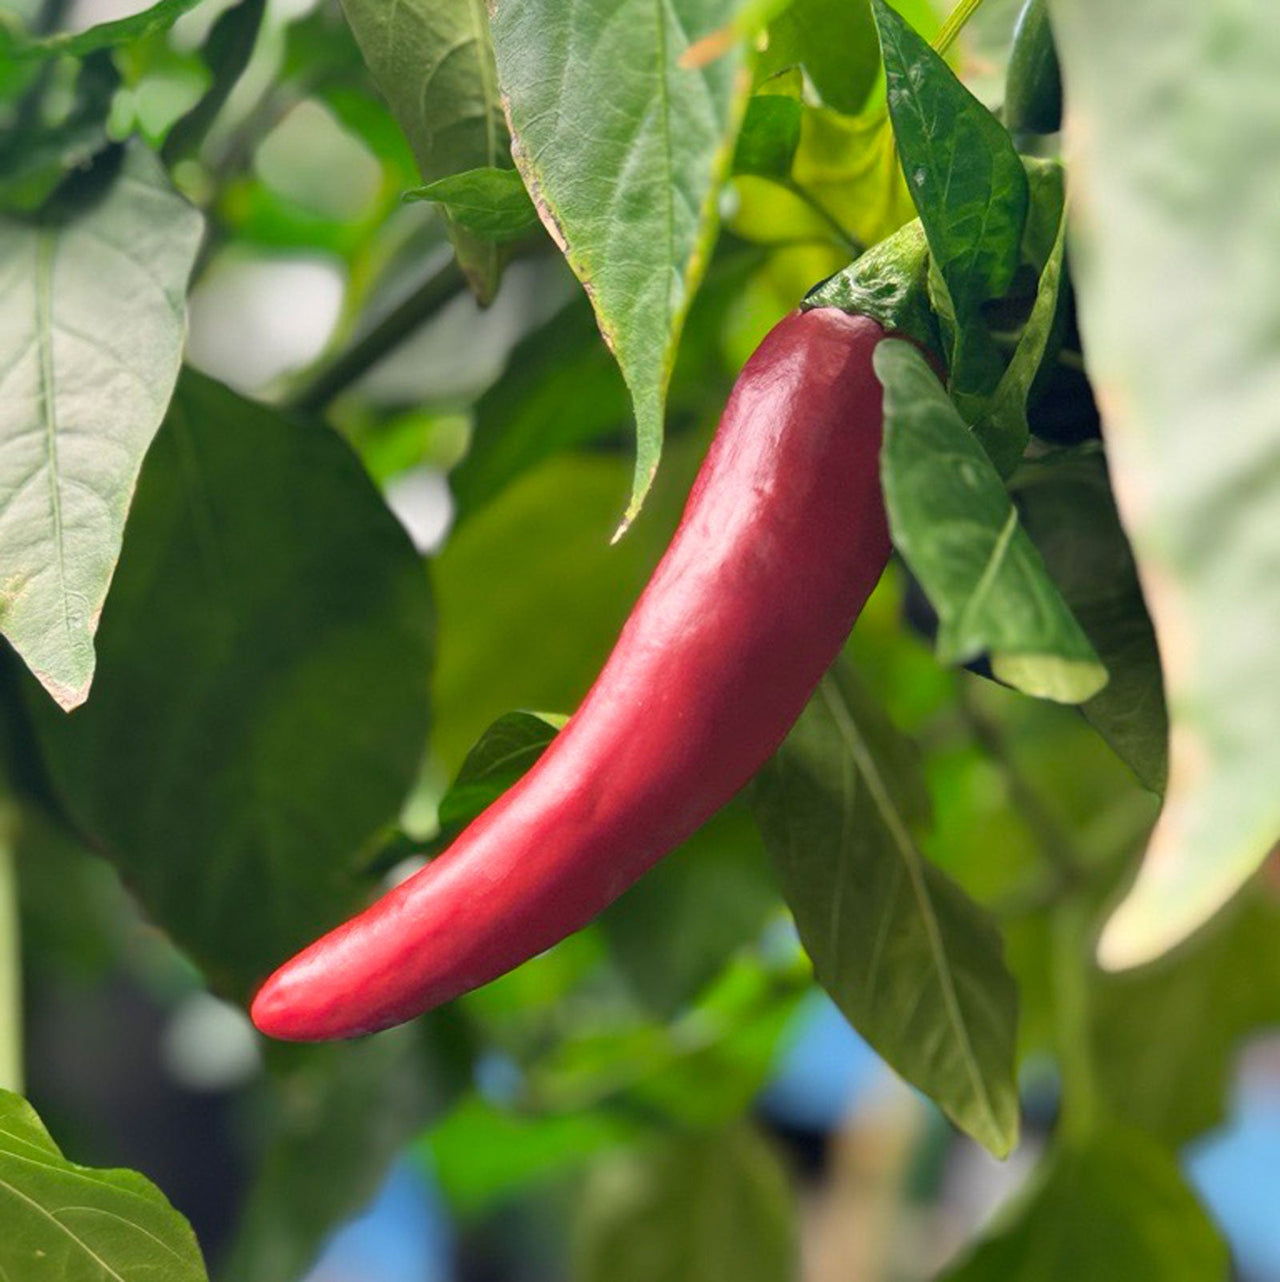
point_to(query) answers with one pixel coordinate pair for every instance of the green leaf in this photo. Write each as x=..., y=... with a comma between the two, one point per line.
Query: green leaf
x=335, y=1119
x=957, y=528
x=769, y=136
x=504, y=752
x=261, y=702
x=226, y=53
x=1179, y=298
x=701, y=1208
x=967, y=181
x=92, y=323
x=912, y=962
x=434, y=63
x=835, y=41
x=1166, y=1038
x=105, y=35
x=1111, y=1211
x=630, y=192
x=62, y=1221
x=1066, y=506
x=1002, y=425
x=491, y=203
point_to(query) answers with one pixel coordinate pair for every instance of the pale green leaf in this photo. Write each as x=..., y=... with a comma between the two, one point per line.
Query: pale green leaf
x=92, y=322
x=1173, y=241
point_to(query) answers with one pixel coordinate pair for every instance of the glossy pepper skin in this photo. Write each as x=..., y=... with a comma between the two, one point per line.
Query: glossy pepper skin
x=783, y=538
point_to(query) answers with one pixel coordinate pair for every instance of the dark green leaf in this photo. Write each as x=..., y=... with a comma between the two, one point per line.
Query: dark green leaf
x=769, y=137
x=489, y=203
x=1066, y=507
x=505, y=751
x=1002, y=424
x=958, y=530
x=92, y=322
x=434, y=63
x=62, y=1221
x=967, y=182
x=1112, y=1211
x=1179, y=294
x=703, y=1208
x=658, y=153
x=1033, y=83
x=226, y=53
x=260, y=708
x=913, y=963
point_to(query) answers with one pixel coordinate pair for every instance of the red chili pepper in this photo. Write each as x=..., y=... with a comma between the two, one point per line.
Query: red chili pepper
x=782, y=540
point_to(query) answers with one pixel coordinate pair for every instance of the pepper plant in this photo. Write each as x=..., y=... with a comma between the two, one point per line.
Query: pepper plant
x=1019, y=837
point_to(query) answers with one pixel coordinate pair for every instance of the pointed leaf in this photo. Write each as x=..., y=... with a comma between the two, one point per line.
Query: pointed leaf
x=958, y=530
x=92, y=322
x=629, y=192
x=914, y=964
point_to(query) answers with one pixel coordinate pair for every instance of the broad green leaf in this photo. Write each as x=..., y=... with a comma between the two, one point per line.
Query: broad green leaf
x=1172, y=245
x=335, y=1119
x=92, y=322
x=491, y=203
x=226, y=53
x=60, y=1221
x=967, y=181
x=1166, y=1038
x=150, y=21
x=629, y=192
x=262, y=695
x=699, y=1208
x=912, y=962
x=1112, y=1211
x=1066, y=506
x=958, y=530
x=434, y=63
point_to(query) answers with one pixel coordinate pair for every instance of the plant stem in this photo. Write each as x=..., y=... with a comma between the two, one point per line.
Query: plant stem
x=1071, y=952
x=851, y=243
x=336, y=376
x=955, y=24
x=10, y=958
